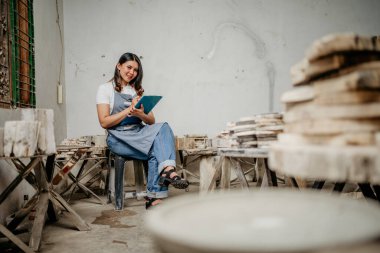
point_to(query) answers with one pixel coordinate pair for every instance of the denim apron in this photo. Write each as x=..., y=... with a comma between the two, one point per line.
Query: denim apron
x=154, y=143
x=134, y=140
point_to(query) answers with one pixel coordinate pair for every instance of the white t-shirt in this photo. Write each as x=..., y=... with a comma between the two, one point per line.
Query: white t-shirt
x=106, y=93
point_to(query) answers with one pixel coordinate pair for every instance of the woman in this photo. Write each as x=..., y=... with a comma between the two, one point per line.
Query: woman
x=145, y=140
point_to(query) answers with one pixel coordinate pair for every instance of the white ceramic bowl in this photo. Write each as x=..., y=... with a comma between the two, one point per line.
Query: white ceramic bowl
x=281, y=220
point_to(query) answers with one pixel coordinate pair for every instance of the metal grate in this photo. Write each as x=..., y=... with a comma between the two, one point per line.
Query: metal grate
x=5, y=86
x=20, y=55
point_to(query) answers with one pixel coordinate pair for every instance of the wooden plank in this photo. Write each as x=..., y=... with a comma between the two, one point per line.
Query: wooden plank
x=259, y=169
x=333, y=126
x=15, y=239
x=93, y=167
x=30, y=178
x=208, y=170
x=39, y=221
x=310, y=111
x=33, y=163
x=78, y=221
x=243, y=152
x=239, y=173
x=192, y=152
x=225, y=177
x=265, y=181
x=68, y=166
x=341, y=43
x=22, y=213
x=87, y=190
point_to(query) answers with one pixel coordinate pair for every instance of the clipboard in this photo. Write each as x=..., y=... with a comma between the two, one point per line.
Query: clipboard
x=149, y=102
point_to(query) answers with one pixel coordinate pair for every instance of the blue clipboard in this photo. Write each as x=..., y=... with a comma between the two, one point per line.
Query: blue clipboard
x=149, y=102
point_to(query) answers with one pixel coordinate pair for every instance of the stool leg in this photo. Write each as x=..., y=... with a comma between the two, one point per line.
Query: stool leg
x=139, y=179
x=119, y=183
x=111, y=179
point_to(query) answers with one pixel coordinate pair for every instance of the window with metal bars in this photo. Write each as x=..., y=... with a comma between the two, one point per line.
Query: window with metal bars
x=17, y=71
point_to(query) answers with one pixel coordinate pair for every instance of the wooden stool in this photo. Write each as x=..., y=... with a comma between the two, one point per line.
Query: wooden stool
x=116, y=180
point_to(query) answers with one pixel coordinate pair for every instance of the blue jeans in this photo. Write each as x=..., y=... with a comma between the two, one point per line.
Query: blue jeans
x=161, y=155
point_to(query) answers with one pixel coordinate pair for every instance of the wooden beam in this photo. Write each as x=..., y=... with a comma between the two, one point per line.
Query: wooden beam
x=15, y=239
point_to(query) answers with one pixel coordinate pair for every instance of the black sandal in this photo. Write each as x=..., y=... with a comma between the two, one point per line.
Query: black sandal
x=149, y=202
x=176, y=181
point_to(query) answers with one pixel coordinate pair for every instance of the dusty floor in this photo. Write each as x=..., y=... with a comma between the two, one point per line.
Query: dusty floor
x=110, y=232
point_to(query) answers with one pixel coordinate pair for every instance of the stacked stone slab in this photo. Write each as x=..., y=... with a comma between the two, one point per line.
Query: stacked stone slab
x=335, y=99
x=259, y=130
x=33, y=134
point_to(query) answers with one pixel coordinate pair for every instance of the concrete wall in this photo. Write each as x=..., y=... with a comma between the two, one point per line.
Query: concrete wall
x=213, y=61
x=48, y=51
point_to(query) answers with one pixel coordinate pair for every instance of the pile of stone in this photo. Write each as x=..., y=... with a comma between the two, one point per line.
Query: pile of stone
x=335, y=99
x=260, y=130
x=32, y=135
x=94, y=143
x=257, y=131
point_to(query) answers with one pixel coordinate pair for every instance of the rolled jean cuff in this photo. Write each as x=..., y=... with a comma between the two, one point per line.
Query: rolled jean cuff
x=165, y=164
x=157, y=195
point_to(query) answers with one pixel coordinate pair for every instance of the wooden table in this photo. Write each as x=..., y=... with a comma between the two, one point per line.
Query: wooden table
x=230, y=158
x=185, y=154
x=44, y=201
x=70, y=156
x=354, y=164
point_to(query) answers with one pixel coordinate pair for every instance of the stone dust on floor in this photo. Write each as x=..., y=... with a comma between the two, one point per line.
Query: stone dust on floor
x=111, y=231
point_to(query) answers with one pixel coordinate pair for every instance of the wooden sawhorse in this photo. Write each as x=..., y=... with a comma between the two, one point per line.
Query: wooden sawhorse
x=44, y=201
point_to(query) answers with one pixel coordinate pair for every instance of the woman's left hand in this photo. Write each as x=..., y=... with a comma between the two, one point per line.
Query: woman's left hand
x=138, y=112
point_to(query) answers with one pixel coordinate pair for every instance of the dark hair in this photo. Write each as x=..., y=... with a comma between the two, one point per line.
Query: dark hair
x=136, y=82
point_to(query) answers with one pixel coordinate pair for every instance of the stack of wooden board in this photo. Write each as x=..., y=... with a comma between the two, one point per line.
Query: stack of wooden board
x=336, y=95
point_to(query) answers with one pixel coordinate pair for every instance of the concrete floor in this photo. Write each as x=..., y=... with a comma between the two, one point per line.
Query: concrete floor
x=111, y=231
x=117, y=232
